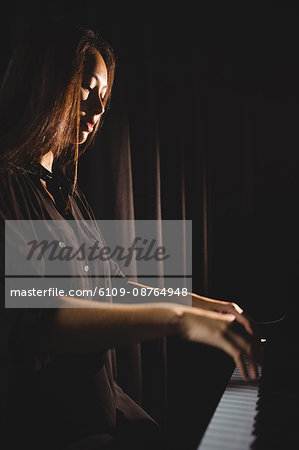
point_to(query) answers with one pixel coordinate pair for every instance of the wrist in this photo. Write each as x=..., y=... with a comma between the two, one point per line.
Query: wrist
x=176, y=320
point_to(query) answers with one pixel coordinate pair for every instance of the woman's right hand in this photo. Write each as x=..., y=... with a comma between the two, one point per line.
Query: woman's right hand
x=222, y=331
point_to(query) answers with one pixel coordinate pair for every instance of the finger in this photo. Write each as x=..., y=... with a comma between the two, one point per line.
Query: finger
x=254, y=339
x=247, y=367
x=243, y=320
x=248, y=348
x=252, y=367
x=236, y=354
x=240, y=363
x=252, y=323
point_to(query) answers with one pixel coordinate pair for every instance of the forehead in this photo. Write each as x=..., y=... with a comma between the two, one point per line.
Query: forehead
x=95, y=65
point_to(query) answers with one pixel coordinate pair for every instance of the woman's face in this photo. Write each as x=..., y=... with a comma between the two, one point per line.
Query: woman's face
x=93, y=90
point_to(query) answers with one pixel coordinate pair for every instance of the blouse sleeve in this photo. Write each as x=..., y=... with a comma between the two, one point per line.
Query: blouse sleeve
x=20, y=328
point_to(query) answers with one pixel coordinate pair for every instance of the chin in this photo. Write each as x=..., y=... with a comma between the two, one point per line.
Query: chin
x=82, y=137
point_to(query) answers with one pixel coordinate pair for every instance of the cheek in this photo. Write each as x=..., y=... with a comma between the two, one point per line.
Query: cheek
x=83, y=102
x=84, y=95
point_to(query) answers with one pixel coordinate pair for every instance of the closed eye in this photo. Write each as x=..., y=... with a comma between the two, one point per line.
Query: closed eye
x=87, y=88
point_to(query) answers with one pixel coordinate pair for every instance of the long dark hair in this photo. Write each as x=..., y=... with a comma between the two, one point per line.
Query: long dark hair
x=40, y=94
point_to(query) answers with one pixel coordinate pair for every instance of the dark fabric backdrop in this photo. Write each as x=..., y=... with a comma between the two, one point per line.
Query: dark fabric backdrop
x=203, y=126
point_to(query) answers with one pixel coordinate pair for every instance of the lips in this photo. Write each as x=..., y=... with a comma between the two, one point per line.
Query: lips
x=87, y=126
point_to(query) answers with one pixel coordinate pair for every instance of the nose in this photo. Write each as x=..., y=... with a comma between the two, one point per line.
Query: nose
x=97, y=105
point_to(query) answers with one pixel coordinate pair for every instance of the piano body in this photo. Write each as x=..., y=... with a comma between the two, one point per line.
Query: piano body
x=261, y=415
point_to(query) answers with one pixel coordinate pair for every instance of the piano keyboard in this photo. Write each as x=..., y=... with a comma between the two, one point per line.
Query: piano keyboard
x=231, y=426
x=262, y=415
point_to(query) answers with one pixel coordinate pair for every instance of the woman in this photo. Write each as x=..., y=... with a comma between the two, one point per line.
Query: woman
x=58, y=386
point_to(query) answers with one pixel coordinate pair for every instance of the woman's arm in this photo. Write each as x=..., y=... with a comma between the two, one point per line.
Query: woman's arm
x=85, y=326
x=220, y=306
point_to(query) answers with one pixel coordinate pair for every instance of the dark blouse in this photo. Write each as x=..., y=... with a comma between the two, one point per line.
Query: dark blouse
x=51, y=401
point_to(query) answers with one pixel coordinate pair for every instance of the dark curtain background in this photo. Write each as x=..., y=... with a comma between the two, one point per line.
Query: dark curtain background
x=202, y=126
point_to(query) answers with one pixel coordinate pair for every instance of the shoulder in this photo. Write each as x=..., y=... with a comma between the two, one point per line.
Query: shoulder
x=10, y=173
x=8, y=178
x=12, y=189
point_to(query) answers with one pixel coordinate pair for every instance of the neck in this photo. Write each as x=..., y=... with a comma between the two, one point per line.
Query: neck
x=47, y=161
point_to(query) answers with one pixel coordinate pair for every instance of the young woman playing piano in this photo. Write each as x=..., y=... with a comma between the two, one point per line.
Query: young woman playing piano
x=57, y=384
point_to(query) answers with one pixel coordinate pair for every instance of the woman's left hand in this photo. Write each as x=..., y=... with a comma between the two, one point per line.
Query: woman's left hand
x=224, y=308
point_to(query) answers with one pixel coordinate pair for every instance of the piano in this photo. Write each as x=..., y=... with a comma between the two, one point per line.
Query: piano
x=263, y=414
